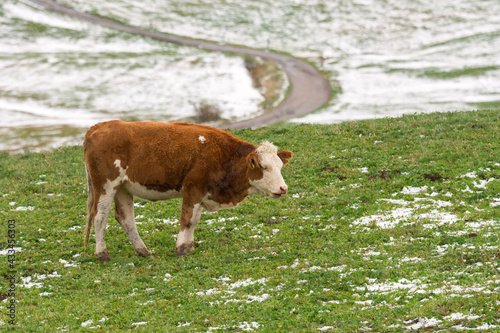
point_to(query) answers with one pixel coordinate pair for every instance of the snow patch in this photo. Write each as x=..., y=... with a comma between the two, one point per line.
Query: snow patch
x=9, y=251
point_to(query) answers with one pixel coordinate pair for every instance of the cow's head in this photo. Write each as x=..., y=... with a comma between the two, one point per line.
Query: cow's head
x=264, y=169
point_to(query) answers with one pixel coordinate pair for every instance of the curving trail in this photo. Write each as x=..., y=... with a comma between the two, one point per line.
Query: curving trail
x=309, y=89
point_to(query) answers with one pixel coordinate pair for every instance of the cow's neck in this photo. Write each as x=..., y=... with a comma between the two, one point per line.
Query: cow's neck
x=235, y=186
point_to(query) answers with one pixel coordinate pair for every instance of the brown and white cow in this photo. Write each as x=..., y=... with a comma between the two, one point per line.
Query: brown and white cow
x=206, y=167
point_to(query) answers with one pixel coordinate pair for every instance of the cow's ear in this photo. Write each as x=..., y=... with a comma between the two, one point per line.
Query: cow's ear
x=285, y=156
x=253, y=161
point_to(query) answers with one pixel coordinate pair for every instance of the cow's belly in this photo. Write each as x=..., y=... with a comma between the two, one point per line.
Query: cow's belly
x=213, y=206
x=144, y=192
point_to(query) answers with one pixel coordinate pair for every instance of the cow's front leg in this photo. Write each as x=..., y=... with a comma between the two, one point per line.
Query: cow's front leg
x=190, y=216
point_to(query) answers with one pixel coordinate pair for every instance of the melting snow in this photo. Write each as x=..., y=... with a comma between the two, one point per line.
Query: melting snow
x=87, y=323
x=385, y=288
x=67, y=264
x=388, y=220
x=245, y=326
x=6, y=251
x=247, y=282
x=422, y=322
x=28, y=284
x=140, y=323
x=24, y=209
x=414, y=190
x=459, y=316
x=482, y=183
x=407, y=213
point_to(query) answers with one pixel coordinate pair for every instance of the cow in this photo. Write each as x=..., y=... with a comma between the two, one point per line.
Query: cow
x=207, y=167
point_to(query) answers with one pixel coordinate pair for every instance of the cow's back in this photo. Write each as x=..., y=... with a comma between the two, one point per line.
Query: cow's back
x=159, y=154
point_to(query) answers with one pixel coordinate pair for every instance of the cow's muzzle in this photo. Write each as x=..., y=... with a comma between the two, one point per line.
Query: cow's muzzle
x=283, y=190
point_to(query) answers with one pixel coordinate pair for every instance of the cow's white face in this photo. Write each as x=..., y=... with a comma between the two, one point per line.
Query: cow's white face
x=265, y=173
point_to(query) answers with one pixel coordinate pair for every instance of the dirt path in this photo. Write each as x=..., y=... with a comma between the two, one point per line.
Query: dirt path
x=309, y=89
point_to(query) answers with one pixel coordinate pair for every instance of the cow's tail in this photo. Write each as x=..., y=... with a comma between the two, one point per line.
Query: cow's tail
x=90, y=204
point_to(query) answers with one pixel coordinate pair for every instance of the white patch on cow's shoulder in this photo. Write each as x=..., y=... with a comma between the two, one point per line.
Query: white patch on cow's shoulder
x=202, y=139
x=118, y=164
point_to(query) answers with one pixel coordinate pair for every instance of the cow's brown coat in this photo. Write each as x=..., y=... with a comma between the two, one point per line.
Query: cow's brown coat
x=199, y=160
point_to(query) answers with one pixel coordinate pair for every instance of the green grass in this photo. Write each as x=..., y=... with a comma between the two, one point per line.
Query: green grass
x=441, y=74
x=387, y=222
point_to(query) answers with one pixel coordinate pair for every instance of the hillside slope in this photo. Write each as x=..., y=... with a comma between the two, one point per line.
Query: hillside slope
x=390, y=224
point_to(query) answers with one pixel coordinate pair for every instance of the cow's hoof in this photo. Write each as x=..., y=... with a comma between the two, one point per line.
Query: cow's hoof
x=184, y=249
x=143, y=252
x=103, y=256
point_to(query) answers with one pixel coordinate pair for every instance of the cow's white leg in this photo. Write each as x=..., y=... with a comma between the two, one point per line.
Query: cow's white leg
x=100, y=222
x=103, y=206
x=124, y=214
x=190, y=217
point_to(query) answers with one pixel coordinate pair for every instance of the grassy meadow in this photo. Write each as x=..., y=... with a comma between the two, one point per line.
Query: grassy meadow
x=390, y=225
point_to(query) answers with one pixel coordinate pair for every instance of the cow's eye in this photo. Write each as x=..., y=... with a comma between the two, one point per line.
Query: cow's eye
x=264, y=168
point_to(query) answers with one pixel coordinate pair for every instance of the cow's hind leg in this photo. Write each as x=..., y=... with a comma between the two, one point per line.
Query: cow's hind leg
x=190, y=217
x=102, y=205
x=91, y=208
x=124, y=214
